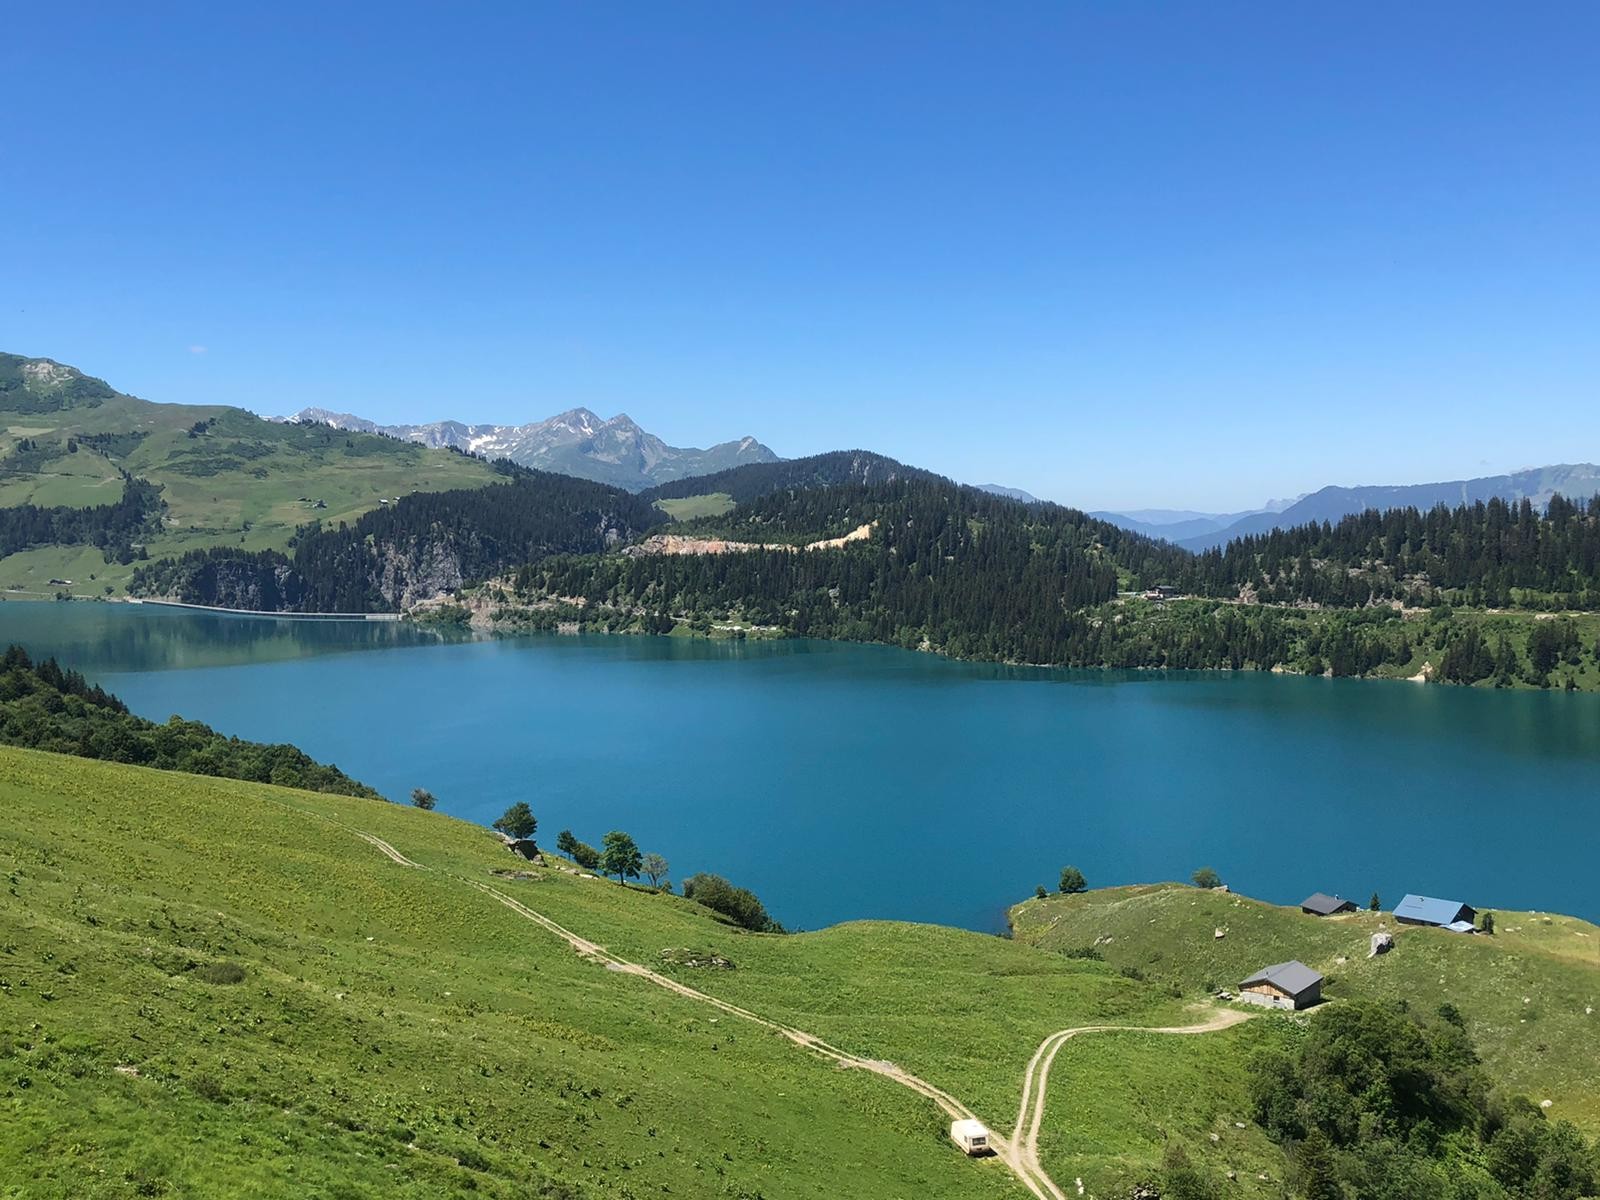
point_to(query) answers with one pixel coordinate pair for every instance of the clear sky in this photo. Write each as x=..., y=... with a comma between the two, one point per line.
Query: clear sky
x=1119, y=254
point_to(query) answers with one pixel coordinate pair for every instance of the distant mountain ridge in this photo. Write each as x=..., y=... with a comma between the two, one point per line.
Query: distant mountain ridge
x=1575, y=481
x=1199, y=531
x=576, y=442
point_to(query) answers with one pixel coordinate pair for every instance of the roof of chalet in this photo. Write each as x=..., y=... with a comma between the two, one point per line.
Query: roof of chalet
x=1428, y=910
x=1293, y=977
x=1321, y=902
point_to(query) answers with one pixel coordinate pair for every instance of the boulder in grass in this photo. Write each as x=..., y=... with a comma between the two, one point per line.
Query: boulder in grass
x=1382, y=943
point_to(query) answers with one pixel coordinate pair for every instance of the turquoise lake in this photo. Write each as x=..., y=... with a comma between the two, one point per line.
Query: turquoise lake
x=844, y=781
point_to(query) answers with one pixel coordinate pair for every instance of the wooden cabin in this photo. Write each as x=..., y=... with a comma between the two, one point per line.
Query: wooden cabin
x=1290, y=985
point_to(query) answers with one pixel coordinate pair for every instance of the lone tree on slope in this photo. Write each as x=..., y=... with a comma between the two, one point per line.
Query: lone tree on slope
x=1205, y=877
x=518, y=821
x=1072, y=880
x=619, y=856
x=1374, y=904
x=423, y=798
x=655, y=868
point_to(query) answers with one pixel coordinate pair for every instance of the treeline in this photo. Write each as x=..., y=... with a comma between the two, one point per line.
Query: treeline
x=45, y=707
x=1494, y=554
x=1377, y=1102
x=413, y=549
x=116, y=530
x=836, y=467
x=947, y=567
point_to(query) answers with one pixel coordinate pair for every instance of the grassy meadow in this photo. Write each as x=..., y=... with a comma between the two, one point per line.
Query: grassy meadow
x=1530, y=994
x=239, y=481
x=206, y=979
x=713, y=504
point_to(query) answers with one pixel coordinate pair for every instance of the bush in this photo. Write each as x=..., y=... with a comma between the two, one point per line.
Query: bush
x=221, y=972
x=1205, y=877
x=208, y=1088
x=738, y=904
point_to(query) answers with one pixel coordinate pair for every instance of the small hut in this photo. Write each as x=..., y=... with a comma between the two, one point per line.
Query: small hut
x=971, y=1135
x=1320, y=904
x=1283, y=985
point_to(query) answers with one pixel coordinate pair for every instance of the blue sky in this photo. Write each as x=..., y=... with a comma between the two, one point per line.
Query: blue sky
x=1117, y=254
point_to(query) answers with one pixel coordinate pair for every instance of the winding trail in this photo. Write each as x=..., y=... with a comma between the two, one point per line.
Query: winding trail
x=1030, y=1113
x=388, y=850
x=1019, y=1152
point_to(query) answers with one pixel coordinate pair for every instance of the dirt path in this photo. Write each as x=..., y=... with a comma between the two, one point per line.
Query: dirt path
x=387, y=849
x=1035, y=1081
x=1019, y=1153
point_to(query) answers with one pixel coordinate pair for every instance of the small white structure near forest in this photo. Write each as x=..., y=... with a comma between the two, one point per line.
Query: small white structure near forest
x=1283, y=985
x=972, y=1136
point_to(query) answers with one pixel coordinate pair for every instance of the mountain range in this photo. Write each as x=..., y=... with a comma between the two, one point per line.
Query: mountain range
x=576, y=442
x=1205, y=531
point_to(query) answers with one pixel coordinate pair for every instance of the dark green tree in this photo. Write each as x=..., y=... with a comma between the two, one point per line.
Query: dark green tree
x=1486, y=923
x=585, y=855
x=1205, y=877
x=1314, y=1166
x=619, y=856
x=423, y=798
x=517, y=821
x=1182, y=1180
x=1072, y=880
x=1374, y=904
x=738, y=904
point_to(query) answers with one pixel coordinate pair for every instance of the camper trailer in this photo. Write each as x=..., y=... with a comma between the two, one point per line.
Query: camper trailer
x=972, y=1136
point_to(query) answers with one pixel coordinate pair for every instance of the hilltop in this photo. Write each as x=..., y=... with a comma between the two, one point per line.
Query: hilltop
x=263, y=969
x=70, y=443
x=1529, y=994
x=333, y=995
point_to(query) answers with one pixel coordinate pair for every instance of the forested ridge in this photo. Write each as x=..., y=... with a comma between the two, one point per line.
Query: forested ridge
x=977, y=576
x=418, y=546
x=115, y=529
x=46, y=707
x=948, y=567
x=794, y=474
x=1492, y=554
x=963, y=572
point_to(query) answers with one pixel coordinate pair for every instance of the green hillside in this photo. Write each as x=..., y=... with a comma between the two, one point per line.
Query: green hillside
x=227, y=477
x=1530, y=994
x=235, y=962
x=329, y=996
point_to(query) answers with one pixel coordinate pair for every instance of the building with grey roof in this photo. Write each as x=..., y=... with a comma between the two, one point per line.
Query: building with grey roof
x=1283, y=985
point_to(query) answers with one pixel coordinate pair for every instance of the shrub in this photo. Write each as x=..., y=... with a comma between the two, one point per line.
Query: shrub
x=1205, y=877
x=738, y=904
x=207, y=1087
x=220, y=972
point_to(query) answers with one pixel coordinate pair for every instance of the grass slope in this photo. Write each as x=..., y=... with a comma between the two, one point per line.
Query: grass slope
x=396, y=1031
x=1530, y=994
x=687, y=508
x=240, y=481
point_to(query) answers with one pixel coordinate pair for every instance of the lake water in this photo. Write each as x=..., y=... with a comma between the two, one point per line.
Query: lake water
x=845, y=781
